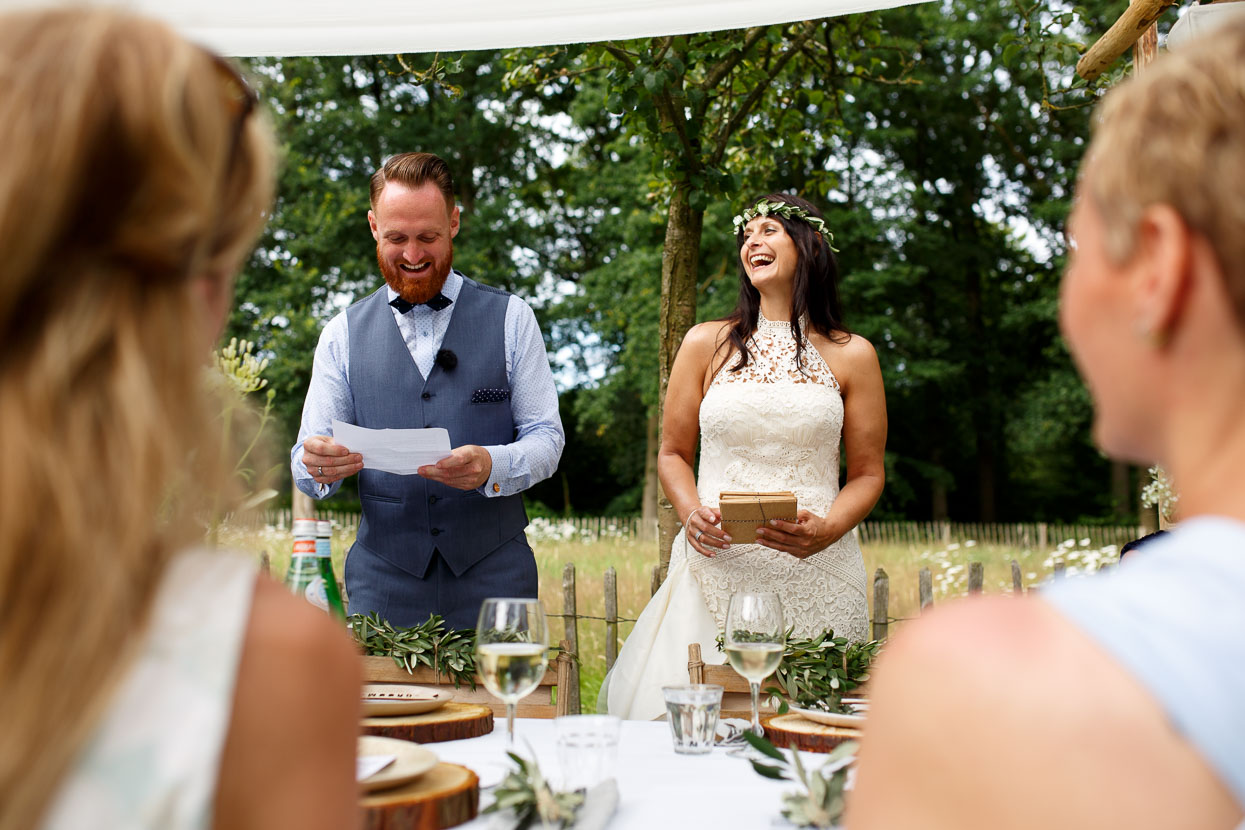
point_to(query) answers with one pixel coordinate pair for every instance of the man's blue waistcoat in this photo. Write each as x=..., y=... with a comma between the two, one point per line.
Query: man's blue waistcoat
x=406, y=517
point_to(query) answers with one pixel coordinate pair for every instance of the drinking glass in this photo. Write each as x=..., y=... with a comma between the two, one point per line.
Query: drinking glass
x=692, y=712
x=587, y=749
x=512, y=641
x=755, y=640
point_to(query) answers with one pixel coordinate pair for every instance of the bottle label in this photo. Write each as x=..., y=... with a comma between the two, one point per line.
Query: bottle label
x=307, y=546
x=316, y=594
x=324, y=549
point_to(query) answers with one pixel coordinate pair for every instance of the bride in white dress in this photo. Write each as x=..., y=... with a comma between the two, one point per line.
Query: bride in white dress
x=771, y=390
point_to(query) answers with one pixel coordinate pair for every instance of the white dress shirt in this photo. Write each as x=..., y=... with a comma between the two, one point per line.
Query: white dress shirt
x=534, y=454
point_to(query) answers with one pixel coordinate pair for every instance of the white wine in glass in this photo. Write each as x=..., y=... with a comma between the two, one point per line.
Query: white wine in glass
x=512, y=643
x=755, y=640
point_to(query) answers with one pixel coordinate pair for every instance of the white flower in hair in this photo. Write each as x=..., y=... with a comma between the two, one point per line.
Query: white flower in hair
x=765, y=207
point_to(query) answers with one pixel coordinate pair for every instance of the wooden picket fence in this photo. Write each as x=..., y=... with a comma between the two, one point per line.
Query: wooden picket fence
x=881, y=620
x=1020, y=535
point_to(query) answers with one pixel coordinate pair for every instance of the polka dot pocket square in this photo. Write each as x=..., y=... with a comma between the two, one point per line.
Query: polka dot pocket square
x=490, y=395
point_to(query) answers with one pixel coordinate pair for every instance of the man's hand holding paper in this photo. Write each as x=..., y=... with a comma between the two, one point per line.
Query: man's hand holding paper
x=466, y=468
x=399, y=451
x=327, y=461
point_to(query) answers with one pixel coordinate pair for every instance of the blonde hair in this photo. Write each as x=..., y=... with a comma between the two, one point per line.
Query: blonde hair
x=1175, y=135
x=131, y=166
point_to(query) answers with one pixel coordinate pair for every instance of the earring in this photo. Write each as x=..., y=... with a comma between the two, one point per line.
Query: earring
x=1155, y=337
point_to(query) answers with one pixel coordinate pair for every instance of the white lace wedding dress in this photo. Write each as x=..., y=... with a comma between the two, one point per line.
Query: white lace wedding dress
x=768, y=426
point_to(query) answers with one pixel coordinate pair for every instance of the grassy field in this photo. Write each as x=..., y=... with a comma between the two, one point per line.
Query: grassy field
x=633, y=560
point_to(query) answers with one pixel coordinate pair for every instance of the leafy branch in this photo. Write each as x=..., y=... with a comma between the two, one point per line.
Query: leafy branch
x=526, y=791
x=446, y=651
x=822, y=802
x=817, y=672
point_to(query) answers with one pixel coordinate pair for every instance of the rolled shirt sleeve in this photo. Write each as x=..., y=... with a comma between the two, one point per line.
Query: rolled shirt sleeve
x=328, y=397
x=537, y=448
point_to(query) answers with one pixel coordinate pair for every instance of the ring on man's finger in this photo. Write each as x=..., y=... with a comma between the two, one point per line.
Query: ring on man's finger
x=320, y=470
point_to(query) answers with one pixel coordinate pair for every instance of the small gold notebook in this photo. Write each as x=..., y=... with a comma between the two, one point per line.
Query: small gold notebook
x=743, y=512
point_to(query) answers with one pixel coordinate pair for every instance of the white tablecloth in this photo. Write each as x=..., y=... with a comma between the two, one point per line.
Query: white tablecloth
x=657, y=788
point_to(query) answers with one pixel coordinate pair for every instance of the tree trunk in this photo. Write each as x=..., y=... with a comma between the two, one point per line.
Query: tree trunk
x=648, y=501
x=938, y=487
x=680, y=260
x=1121, y=493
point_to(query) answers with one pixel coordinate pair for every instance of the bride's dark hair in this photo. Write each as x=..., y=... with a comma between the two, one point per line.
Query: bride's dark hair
x=815, y=292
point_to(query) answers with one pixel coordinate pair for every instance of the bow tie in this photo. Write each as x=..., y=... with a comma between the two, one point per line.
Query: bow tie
x=437, y=303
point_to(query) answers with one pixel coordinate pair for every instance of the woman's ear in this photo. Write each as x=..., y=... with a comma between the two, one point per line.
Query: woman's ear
x=212, y=295
x=1163, y=257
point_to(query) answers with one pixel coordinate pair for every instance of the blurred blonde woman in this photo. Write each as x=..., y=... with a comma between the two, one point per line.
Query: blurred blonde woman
x=144, y=682
x=1116, y=700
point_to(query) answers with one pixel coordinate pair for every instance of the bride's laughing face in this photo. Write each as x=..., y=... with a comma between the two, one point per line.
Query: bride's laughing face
x=768, y=252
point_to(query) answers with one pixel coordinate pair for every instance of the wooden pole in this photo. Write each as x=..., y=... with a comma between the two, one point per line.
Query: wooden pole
x=572, y=635
x=611, y=617
x=881, y=597
x=976, y=576
x=1132, y=25
x=926, y=589
x=1018, y=585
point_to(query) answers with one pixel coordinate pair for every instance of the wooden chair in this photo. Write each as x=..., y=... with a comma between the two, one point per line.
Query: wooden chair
x=539, y=704
x=736, y=695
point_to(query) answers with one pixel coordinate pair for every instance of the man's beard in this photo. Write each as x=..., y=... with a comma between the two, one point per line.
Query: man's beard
x=416, y=290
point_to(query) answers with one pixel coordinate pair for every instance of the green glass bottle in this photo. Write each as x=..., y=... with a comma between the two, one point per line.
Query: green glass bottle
x=310, y=575
x=303, y=575
x=328, y=582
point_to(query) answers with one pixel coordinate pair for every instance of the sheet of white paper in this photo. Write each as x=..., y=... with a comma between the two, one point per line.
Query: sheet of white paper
x=365, y=766
x=401, y=451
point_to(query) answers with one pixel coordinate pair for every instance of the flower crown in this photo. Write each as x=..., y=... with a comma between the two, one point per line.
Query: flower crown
x=767, y=208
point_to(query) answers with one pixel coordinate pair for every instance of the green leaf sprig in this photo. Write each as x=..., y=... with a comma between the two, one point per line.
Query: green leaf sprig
x=817, y=672
x=448, y=651
x=822, y=802
x=526, y=791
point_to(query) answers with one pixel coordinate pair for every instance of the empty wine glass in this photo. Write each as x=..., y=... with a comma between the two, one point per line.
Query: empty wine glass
x=755, y=640
x=512, y=643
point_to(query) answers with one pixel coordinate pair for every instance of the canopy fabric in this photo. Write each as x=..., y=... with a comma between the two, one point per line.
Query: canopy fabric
x=367, y=27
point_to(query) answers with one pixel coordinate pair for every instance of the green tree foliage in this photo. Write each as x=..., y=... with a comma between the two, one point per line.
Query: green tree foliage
x=337, y=119
x=598, y=182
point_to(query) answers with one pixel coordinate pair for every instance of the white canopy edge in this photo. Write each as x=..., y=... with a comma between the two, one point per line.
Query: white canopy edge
x=371, y=27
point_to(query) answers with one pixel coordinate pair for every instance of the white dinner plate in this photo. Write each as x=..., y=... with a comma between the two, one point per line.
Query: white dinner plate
x=382, y=699
x=830, y=718
x=410, y=761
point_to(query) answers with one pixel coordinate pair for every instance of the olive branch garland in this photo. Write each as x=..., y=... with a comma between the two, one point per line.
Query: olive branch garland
x=447, y=651
x=817, y=672
x=786, y=211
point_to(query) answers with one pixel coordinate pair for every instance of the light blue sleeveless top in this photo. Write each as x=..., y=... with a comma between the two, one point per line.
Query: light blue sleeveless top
x=153, y=760
x=1175, y=610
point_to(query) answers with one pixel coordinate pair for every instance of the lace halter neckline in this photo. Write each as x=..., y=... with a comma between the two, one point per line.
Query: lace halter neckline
x=764, y=322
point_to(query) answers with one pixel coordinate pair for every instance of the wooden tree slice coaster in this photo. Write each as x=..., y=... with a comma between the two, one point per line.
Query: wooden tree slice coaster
x=452, y=722
x=794, y=732
x=445, y=796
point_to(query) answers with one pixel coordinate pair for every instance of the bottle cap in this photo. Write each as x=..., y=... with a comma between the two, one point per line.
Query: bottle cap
x=324, y=528
x=304, y=527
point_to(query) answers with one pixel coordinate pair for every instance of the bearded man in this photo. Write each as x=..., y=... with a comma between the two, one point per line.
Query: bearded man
x=432, y=348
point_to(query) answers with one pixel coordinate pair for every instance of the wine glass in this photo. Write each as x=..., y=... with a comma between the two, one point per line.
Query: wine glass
x=755, y=641
x=512, y=641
